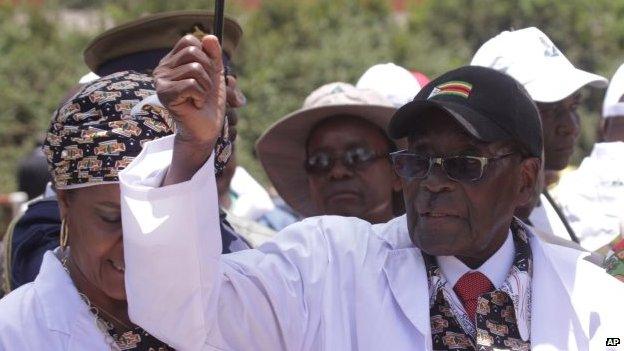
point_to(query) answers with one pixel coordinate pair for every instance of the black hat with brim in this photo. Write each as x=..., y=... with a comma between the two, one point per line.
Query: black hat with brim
x=139, y=45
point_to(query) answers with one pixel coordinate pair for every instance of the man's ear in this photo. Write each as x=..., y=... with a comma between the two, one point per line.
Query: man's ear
x=63, y=197
x=530, y=185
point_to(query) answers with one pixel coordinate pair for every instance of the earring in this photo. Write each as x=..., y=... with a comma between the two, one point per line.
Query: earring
x=64, y=234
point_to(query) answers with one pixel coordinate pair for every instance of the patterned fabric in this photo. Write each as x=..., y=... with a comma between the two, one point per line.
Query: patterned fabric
x=94, y=135
x=223, y=149
x=503, y=316
x=138, y=340
x=469, y=287
x=614, y=263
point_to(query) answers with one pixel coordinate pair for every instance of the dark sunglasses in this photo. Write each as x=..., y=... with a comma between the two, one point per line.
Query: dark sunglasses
x=460, y=168
x=356, y=158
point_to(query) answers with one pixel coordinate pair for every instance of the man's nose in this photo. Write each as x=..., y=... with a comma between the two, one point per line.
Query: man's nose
x=569, y=124
x=340, y=171
x=437, y=180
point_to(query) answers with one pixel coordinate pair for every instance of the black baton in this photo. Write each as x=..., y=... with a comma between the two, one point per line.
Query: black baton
x=218, y=29
x=218, y=20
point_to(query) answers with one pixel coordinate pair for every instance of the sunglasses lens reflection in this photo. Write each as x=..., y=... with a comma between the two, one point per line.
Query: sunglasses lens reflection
x=411, y=166
x=463, y=168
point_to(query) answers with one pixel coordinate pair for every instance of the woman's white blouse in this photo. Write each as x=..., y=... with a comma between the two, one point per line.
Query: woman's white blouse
x=48, y=314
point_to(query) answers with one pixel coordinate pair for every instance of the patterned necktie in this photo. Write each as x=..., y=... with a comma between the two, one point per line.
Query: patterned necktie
x=469, y=287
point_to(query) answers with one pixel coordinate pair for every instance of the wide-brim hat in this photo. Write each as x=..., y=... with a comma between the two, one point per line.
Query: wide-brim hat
x=141, y=44
x=282, y=148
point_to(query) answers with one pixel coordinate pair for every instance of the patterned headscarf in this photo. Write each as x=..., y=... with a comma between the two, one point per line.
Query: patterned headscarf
x=96, y=134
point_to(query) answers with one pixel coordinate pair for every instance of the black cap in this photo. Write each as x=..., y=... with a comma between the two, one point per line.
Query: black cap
x=490, y=105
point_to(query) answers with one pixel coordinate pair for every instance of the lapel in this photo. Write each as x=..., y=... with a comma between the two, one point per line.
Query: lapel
x=404, y=268
x=64, y=311
x=556, y=320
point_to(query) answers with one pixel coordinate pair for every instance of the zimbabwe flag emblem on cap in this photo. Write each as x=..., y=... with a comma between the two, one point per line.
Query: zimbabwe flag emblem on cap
x=456, y=87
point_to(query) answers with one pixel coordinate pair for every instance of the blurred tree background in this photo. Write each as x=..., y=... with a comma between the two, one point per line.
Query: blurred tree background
x=289, y=48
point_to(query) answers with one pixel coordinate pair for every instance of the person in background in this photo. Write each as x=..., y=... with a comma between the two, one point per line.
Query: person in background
x=138, y=45
x=341, y=283
x=592, y=197
x=420, y=77
x=251, y=231
x=331, y=156
x=555, y=85
x=250, y=207
x=395, y=83
x=78, y=299
x=32, y=173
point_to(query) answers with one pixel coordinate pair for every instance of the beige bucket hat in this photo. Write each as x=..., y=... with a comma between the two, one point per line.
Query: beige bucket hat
x=282, y=148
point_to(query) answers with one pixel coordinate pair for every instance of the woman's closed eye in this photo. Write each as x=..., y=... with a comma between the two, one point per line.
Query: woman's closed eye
x=111, y=219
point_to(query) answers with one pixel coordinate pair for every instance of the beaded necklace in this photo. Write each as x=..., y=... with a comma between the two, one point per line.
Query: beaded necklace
x=128, y=340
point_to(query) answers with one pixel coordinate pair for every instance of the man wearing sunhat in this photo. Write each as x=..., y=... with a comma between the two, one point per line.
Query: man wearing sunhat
x=138, y=45
x=331, y=156
x=592, y=197
x=457, y=272
x=529, y=56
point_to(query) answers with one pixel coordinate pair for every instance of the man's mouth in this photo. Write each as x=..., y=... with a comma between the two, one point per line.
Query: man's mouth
x=565, y=148
x=343, y=195
x=437, y=214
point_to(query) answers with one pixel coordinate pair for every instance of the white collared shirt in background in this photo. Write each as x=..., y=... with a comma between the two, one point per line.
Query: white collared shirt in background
x=592, y=197
x=545, y=218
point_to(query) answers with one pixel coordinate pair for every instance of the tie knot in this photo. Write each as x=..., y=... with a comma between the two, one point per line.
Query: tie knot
x=469, y=287
x=472, y=285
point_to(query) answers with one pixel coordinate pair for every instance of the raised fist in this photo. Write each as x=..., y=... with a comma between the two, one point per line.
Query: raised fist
x=191, y=85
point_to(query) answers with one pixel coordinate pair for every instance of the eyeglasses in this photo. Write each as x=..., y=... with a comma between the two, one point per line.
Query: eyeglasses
x=356, y=158
x=460, y=168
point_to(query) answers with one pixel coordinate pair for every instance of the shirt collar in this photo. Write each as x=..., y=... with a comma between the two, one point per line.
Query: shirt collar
x=62, y=306
x=496, y=268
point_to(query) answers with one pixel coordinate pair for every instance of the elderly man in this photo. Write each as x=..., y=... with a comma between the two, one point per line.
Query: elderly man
x=530, y=57
x=331, y=156
x=457, y=272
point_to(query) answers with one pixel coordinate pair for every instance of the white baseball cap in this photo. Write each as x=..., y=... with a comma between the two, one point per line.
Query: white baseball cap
x=612, y=106
x=395, y=83
x=529, y=56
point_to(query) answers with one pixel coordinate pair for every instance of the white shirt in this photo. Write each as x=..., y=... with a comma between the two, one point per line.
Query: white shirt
x=545, y=218
x=326, y=283
x=496, y=268
x=48, y=314
x=592, y=197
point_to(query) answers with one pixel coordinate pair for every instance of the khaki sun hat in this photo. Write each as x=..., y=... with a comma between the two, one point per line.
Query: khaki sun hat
x=282, y=148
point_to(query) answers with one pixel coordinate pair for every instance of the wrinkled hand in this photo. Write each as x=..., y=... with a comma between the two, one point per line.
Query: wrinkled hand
x=191, y=85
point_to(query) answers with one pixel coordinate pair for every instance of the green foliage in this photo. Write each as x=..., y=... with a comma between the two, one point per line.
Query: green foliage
x=292, y=47
x=39, y=63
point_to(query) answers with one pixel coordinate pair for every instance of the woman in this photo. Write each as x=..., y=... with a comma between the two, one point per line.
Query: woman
x=78, y=300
